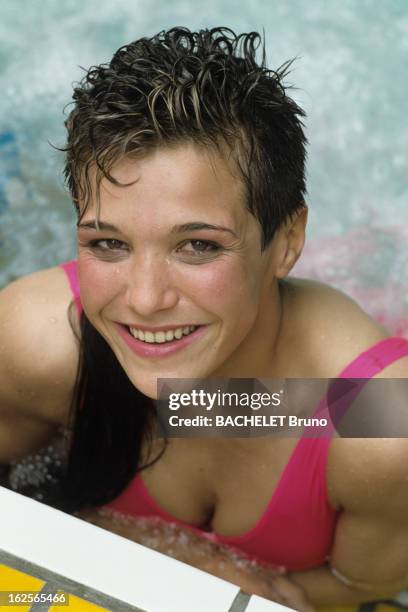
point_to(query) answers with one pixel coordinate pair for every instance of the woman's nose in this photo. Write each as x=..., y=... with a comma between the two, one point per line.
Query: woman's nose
x=150, y=288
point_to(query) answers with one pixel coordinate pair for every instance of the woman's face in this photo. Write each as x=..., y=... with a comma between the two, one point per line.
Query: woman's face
x=177, y=255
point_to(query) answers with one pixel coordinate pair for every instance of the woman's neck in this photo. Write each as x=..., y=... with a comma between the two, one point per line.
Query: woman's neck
x=259, y=353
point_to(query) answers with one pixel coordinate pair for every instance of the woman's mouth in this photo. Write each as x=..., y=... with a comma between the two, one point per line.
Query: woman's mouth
x=160, y=343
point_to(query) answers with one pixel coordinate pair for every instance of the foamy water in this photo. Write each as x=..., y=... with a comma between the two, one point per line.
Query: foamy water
x=181, y=543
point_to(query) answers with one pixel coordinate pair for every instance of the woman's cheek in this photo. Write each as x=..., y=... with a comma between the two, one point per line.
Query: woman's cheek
x=220, y=282
x=228, y=294
x=99, y=282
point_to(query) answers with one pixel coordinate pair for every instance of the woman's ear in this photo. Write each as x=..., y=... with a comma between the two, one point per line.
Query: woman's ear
x=291, y=241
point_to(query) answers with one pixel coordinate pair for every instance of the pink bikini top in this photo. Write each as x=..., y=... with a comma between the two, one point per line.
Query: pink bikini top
x=296, y=529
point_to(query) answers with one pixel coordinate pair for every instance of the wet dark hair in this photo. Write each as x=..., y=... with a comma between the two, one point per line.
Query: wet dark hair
x=204, y=87
x=109, y=421
x=179, y=86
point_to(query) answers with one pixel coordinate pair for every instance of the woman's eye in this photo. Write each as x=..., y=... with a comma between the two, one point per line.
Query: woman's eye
x=200, y=247
x=108, y=244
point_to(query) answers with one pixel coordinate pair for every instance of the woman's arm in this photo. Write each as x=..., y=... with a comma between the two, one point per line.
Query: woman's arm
x=37, y=362
x=321, y=587
x=369, y=559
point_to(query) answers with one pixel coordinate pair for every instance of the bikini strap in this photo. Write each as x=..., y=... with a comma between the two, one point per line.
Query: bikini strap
x=376, y=358
x=70, y=269
x=345, y=388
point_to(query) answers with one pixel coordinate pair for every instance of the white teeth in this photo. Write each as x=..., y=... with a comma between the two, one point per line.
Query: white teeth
x=161, y=336
x=169, y=335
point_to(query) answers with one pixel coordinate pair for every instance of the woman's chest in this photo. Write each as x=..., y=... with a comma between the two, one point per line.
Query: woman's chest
x=222, y=486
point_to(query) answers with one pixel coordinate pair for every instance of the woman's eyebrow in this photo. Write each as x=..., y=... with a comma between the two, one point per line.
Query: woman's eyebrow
x=198, y=225
x=176, y=229
x=101, y=225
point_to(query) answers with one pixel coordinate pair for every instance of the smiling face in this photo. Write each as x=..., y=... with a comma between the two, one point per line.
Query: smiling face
x=178, y=249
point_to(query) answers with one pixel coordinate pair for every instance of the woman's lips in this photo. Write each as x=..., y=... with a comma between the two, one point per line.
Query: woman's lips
x=145, y=349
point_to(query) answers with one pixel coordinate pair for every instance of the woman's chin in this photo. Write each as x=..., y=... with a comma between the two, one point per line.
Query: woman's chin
x=159, y=387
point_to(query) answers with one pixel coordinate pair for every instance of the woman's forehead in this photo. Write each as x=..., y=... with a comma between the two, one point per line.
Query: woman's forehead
x=183, y=168
x=183, y=179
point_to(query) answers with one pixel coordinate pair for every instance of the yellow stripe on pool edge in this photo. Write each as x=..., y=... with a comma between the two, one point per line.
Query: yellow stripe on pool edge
x=14, y=580
x=76, y=604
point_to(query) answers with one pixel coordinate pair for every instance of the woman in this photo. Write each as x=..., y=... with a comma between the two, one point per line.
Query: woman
x=185, y=161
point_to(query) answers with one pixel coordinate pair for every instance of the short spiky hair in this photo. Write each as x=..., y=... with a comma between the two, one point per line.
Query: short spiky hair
x=204, y=87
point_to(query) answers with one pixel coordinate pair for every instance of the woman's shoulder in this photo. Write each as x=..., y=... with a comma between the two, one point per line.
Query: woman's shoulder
x=331, y=327
x=39, y=349
x=368, y=473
